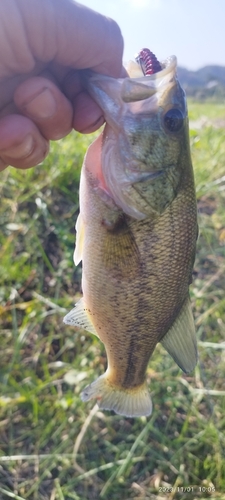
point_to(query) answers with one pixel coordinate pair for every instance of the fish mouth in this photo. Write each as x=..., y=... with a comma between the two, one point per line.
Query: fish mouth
x=168, y=65
x=129, y=89
x=139, y=87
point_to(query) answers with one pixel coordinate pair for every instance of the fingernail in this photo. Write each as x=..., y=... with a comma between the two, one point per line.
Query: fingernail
x=42, y=105
x=94, y=126
x=21, y=150
x=3, y=165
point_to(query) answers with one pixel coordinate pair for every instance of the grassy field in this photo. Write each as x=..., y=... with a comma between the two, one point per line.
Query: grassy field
x=53, y=446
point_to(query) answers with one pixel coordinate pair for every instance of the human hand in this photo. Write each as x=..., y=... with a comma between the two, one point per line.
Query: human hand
x=43, y=46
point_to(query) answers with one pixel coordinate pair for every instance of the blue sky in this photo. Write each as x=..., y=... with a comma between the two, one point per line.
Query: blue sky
x=193, y=30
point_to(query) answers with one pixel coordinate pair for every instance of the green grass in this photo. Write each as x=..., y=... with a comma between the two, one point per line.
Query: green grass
x=53, y=446
x=212, y=111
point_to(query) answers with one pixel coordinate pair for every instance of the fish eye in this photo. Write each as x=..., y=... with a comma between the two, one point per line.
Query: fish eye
x=173, y=120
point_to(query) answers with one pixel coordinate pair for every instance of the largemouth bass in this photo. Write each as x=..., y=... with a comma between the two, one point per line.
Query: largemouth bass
x=136, y=234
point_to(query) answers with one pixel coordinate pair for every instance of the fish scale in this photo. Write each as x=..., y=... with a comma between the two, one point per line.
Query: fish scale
x=158, y=307
x=136, y=236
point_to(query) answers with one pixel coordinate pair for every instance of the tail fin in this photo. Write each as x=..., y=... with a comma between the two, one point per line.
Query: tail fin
x=127, y=402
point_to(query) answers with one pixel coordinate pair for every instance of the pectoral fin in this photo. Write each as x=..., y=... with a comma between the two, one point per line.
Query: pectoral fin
x=80, y=316
x=79, y=240
x=120, y=252
x=180, y=341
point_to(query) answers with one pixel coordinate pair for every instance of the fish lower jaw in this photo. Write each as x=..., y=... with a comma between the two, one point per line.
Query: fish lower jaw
x=129, y=402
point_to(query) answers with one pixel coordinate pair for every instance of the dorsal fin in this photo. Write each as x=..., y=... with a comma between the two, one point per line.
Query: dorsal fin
x=79, y=241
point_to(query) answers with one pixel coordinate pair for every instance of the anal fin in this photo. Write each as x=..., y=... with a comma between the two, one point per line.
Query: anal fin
x=180, y=341
x=80, y=317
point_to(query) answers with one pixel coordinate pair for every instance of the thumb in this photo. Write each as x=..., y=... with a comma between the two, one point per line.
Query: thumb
x=72, y=35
